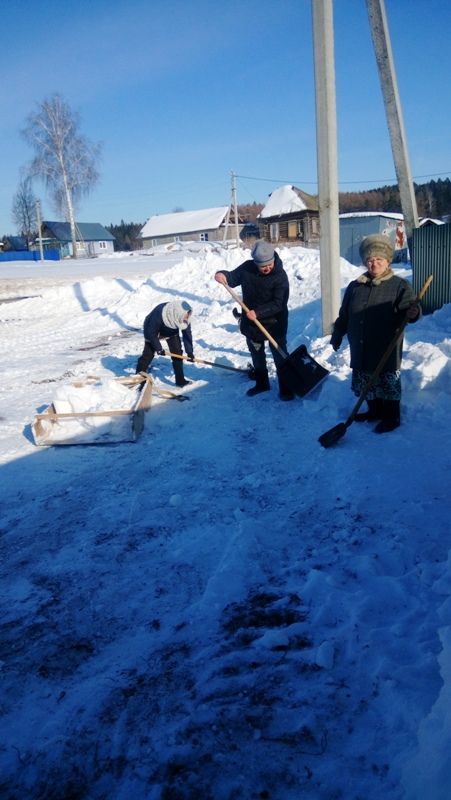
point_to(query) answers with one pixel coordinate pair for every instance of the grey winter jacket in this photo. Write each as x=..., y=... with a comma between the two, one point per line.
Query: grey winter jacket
x=371, y=312
x=267, y=295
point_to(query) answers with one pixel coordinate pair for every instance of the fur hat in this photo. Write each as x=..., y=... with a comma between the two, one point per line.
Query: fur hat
x=262, y=253
x=376, y=246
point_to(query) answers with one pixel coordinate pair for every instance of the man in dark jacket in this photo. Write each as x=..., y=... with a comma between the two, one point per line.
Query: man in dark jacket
x=373, y=307
x=265, y=289
x=166, y=321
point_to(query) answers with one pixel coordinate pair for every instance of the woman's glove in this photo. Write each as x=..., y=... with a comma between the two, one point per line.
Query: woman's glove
x=161, y=352
x=190, y=357
x=413, y=312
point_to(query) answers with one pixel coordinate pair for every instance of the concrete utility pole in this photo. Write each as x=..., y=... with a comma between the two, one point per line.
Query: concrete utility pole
x=326, y=143
x=38, y=217
x=387, y=76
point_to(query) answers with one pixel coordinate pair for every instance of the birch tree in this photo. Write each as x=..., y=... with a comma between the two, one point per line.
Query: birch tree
x=64, y=159
x=24, y=210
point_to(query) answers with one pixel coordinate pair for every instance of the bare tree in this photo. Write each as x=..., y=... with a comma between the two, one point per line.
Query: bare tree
x=24, y=209
x=64, y=158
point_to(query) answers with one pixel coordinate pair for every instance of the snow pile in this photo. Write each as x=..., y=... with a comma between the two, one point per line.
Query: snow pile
x=94, y=397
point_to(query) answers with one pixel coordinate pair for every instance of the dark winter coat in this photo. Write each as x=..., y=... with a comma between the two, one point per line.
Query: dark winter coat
x=371, y=311
x=267, y=295
x=155, y=329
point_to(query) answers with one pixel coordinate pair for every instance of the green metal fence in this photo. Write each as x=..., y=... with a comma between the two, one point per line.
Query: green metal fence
x=430, y=250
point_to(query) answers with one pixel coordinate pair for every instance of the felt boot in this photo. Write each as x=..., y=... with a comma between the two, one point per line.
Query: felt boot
x=180, y=379
x=391, y=416
x=261, y=383
x=375, y=411
x=285, y=392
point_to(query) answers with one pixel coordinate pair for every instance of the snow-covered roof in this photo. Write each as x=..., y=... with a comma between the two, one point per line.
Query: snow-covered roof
x=206, y=219
x=390, y=215
x=287, y=200
x=424, y=220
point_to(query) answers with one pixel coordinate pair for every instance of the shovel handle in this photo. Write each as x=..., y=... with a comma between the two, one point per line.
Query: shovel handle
x=257, y=322
x=210, y=363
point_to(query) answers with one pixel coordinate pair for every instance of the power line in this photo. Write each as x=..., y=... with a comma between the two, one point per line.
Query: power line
x=342, y=183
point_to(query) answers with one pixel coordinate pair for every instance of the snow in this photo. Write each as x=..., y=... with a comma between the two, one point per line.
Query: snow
x=283, y=200
x=223, y=608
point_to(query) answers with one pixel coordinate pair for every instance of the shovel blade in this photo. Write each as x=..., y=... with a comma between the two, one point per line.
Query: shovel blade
x=301, y=372
x=333, y=436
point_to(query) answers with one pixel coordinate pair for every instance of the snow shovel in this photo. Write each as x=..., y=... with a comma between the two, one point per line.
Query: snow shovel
x=336, y=433
x=210, y=363
x=299, y=370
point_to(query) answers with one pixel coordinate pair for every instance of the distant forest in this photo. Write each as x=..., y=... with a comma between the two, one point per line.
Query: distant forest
x=433, y=200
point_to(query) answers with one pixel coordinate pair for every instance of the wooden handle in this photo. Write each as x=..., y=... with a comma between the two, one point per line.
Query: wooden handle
x=210, y=363
x=256, y=321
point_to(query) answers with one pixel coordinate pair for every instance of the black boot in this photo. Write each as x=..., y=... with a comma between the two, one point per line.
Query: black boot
x=391, y=416
x=285, y=392
x=142, y=365
x=251, y=372
x=261, y=383
x=180, y=379
x=375, y=411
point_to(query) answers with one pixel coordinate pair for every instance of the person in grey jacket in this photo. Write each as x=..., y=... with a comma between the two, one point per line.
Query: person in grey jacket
x=166, y=321
x=265, y=289
x=373, y=307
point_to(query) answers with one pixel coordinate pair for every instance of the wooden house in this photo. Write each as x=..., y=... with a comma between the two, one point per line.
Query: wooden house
x=92, y=238
x=290, y=216
x=208, y=224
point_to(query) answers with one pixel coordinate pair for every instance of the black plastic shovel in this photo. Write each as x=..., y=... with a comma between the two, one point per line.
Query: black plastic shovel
x=336, y=433
x=299, y=370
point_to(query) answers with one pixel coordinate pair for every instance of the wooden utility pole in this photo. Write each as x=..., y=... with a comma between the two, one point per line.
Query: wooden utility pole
x=326, y=143
x=235, y=210
x=387, y=76
x=38, y=217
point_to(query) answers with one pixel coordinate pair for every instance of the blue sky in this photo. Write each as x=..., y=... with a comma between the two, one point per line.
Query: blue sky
x=180, y=94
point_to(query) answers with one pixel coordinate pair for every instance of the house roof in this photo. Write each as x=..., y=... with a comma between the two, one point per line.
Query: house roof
x=388, y=214
x=206, y=219
x=287, y=200
x=89, y=231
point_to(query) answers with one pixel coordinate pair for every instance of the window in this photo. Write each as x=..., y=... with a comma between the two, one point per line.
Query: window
x=204, y=237
x=274, y=231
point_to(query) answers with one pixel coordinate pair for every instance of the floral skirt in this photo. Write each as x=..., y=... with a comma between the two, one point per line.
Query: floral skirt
x=387, y=386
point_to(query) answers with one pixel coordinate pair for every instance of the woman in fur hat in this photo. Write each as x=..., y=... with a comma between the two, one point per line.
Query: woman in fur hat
x=166, y=321
x=373, y=307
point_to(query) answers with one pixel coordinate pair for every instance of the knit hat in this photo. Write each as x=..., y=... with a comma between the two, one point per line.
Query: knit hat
x=376, y=246
x=174, y=312
x=262, y=253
